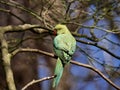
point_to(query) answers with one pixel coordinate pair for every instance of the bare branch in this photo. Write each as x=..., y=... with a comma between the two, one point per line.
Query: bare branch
x=98, y=46
x=8, y=11
x=37, y=81
x=28, y=26
x=112, y=41
x=92, y=59
x=17, y=5
x=6, y=57
x=97, y=71
x=84, y=36
x=98, y=28
x=32, y=50
x=24, y=27
x=73, y=62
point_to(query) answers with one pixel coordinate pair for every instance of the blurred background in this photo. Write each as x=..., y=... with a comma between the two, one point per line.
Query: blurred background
x=95, y=25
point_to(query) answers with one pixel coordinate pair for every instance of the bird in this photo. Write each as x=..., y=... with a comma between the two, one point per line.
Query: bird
x=64, y=47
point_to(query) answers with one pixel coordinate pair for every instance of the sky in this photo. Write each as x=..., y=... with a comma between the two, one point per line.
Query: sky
x=100, y=58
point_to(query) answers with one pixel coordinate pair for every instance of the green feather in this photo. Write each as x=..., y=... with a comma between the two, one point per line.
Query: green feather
x=64, y=47
x=58, y=72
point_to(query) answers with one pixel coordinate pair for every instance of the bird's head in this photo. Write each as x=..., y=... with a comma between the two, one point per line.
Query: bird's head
x=61, y=29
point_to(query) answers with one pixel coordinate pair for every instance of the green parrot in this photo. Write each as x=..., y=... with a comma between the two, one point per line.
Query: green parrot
x=64, y=46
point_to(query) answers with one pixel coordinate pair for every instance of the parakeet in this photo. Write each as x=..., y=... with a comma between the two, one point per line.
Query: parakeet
x=64, y=46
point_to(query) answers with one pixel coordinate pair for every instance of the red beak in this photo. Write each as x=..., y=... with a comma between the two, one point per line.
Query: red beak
x=55, y=32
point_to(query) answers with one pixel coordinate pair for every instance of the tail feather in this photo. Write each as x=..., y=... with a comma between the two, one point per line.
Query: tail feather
x=58, y=71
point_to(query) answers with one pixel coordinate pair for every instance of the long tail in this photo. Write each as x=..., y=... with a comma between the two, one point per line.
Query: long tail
x=58, y=71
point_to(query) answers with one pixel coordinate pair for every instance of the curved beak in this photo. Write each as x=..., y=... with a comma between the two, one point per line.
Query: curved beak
x=55, y=32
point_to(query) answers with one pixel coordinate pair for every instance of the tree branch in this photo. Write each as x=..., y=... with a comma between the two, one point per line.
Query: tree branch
x=72, y=62
x=29, y=26
x=96, y=27
x=97, y=71
x=8, y=11
x=98, y=46
x=32, y=50
x=37, y=81
x=6, y=57
x=24, y=27
x=17, y=5
x=17, y=28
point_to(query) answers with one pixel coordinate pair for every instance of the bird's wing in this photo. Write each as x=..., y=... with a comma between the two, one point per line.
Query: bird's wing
x=64, y=46
x=62, y=42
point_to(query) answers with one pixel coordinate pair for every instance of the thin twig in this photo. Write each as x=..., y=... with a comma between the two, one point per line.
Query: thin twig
x=24, y=27
x=17, y=5
x=97, y=71
x=11, y=13
x=100, y=47
x=96, y=27
x=73, y=62
x=37, y=81
x=31, y=50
